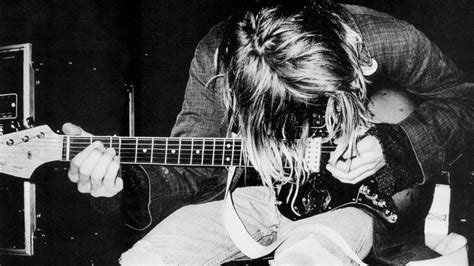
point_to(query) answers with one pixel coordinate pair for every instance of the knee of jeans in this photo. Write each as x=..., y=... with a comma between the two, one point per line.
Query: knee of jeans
x=307, y=251
x=140, y=254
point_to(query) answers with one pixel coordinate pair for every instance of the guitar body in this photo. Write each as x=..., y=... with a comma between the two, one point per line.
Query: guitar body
x=136, y=197
x=321, y=192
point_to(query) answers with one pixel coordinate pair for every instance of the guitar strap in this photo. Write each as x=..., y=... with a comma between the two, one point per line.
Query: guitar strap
x=251, y=248
x=236, y=229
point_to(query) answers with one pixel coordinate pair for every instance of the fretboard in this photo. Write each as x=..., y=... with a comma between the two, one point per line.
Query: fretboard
x=164, y=151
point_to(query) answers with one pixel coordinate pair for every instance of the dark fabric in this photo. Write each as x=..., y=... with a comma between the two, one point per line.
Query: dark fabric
x=401, y=170
x=399, y=249
x=151, y=193
x=402, y=242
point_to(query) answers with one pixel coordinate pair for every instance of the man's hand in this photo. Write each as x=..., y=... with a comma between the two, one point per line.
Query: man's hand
x=355, y=168
x=95, y=168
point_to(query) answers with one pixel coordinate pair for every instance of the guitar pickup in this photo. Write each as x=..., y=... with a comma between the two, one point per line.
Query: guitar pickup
x=313, y=154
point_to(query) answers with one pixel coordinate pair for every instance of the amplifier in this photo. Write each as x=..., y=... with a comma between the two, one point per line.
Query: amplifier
x=17, y=196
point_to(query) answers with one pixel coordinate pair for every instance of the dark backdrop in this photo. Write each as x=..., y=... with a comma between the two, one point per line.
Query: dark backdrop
x=85, y=52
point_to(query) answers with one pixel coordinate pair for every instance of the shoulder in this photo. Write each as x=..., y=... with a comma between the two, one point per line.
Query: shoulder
x=203, y=63
x=391, y=41
x=211, y=41
x=378, y=27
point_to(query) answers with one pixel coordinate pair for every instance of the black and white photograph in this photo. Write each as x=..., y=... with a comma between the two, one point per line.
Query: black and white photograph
x=250, y=132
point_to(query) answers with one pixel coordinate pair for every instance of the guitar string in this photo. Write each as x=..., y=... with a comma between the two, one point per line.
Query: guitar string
x=187, y=147
x=156, y=148
x=141, y=146
x=129, y=153
x=134, y=145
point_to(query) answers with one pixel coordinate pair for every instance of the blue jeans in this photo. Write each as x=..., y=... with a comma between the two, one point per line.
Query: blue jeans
x=196, y=234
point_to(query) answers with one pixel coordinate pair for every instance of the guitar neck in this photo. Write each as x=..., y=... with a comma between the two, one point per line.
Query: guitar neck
x=164, y=151
x=23, y=151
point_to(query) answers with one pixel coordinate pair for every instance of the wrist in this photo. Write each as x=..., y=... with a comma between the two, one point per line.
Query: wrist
x=402, y=169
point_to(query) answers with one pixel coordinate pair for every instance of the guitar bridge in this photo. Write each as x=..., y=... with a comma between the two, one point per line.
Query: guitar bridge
x=377, y=204
x=313, y=154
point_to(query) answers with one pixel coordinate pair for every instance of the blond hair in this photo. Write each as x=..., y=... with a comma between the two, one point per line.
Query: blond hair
x=278, y=62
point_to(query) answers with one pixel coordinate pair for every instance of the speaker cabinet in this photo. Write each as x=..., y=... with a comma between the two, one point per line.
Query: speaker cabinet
x=17, y=196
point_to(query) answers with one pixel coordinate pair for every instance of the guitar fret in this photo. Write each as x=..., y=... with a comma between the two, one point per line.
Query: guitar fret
x=223, y=152
x=227, y=152
x=203, y=151
x=197, y=152
x=208, y=154
x=144, y=150
x=179, y=150
x=166, y=151
x=152, y=149
x=120, y=148
x=136, y=149
x=159, y=151
x=233, y=150
x=186, y=152
x=219, y=152
x=129, y=150
x=68, y=140
x=173, y=151
x=214, y=152
x=241, y=153
x=115, y=144
x=192, y=151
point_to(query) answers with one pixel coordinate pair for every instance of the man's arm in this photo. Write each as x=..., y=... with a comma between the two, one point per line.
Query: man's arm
x=441, y=127
x=436, y=132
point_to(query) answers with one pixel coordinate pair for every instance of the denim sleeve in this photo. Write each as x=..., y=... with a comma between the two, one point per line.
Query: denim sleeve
x=441, y=128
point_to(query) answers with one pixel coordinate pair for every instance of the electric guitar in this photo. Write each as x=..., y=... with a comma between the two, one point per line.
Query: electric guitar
x=321, y=192
x=23, y=151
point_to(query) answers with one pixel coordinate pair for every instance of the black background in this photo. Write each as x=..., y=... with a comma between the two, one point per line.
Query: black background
x=87, y=52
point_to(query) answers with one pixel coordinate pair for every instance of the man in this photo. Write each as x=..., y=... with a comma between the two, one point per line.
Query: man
x=255, y=73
